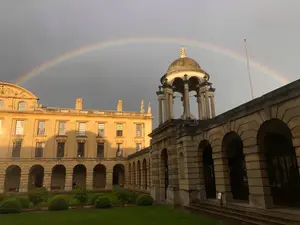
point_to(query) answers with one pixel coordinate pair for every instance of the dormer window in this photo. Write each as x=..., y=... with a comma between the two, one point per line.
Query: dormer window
x=22, y=106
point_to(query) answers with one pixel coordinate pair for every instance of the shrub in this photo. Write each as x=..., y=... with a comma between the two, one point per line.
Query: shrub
x=81, y=195
x=2, y=197
x=58, y=203
x=144, y=200
x=10, y=206
x=95, y=197
x=24, y=201
x=103, y=202
x=132, y=197
x=122, y=195
x=38, y=196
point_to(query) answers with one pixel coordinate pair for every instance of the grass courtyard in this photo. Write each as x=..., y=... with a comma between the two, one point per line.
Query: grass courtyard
x=133, y=215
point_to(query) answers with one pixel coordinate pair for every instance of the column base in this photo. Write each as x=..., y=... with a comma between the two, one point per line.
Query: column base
x=173, y=196
x=155, y=193
x=187, y=197
x=261, y=201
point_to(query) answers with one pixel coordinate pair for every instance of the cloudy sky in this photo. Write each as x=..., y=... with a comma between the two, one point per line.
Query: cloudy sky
x=37, y=31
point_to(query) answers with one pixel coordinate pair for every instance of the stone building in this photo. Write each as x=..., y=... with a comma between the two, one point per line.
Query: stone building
x=247, y=156
x=61, y=148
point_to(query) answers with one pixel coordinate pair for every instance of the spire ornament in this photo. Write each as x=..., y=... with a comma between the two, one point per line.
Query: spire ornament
x=149, y=108
x=142, y=107
x=182, y=55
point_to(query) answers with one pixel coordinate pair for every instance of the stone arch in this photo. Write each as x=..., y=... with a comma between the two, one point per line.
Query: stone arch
x=119, y=175
x=12, y=178
x=99, y=176
x=79, y=176
x=232, y=147
x=276, y=146
x=181, y=166
x=145, y=174
x=58, y=177
x=36, y=177
x=207, y=168
x=139, y=175
x=129, y=174
x=164, y=171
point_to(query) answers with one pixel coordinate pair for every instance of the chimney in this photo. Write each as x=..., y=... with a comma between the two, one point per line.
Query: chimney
x=78, y=104
x=119, y=106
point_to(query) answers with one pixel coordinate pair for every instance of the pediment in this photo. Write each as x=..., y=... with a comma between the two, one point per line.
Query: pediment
x=12, y=90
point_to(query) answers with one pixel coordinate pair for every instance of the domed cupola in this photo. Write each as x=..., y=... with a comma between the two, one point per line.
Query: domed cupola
x=183, y=76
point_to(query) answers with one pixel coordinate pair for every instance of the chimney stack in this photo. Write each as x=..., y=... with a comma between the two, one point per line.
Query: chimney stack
x=78, y=104
x=120, y=106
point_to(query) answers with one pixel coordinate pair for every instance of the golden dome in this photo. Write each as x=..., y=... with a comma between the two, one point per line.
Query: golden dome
x=184, y=64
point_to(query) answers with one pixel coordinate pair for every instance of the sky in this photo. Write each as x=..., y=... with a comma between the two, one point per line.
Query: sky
x=37, y=31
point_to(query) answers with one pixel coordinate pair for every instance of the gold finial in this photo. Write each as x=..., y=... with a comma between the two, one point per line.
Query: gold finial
x=182, y=52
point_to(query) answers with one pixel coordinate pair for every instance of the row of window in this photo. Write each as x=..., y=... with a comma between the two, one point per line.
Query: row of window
x=22, y=106
x=60, y=150
x=41, y=129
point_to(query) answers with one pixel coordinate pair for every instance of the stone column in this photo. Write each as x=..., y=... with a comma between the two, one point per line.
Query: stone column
x=160, y=107
x=24, y=181
x=89, y=179
x=2, y=180
x=222, y=174
x=200, y=114
x=171, y=102
x=204, y=116
x=47, y=179
x=212, y=102
x=109, y=178
x=166, y=106
x=69, y=179
x=207, y=105
x=186, y=101
x=259, y=188
x=155, y=188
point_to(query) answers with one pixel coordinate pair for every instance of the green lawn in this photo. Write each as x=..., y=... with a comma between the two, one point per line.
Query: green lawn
x=144, y=215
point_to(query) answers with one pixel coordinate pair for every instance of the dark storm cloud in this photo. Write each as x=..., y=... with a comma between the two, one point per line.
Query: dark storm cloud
x=35, y=31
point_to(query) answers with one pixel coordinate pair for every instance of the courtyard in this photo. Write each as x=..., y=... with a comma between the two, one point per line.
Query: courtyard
x=133, y=215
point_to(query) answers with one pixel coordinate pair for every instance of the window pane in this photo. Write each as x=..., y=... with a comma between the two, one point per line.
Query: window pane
x=41, y=128
x=62, y=128
x=119, y=150
x=16, y=151
x=19, y=127
x=100, y=150
x=39, y=149
x=80, y=151
x=119, y=126
x=138, y=146
x=21, y=106
x=101, y=130
x=138, y=130
x=82, y=129
x=60, y=149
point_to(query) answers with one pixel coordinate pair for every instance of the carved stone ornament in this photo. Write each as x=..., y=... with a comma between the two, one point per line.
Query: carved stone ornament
x=12, y=92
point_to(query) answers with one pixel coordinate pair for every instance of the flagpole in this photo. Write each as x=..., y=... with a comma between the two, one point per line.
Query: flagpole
x=248, y=68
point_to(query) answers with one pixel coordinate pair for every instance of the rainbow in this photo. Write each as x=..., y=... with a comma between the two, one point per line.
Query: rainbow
x=132, y=40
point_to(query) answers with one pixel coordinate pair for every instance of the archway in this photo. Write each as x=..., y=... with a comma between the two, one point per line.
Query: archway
x=139, y=180
x=118, y=175
x=58, y=177
x=208, y=169
x=145, y=174
x=79, y=176
x=36, y=177
x=165, y=170
x=233, y=147
x=133, y=174
x=275, y=142
x=99, y=176
x=12, y=178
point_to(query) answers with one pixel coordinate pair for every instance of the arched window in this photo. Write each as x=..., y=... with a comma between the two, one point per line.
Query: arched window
x=22, y=106
x=1, y=104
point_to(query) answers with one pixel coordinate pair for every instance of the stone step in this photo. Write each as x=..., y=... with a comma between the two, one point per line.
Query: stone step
x=274, y=218
x=225, y=215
